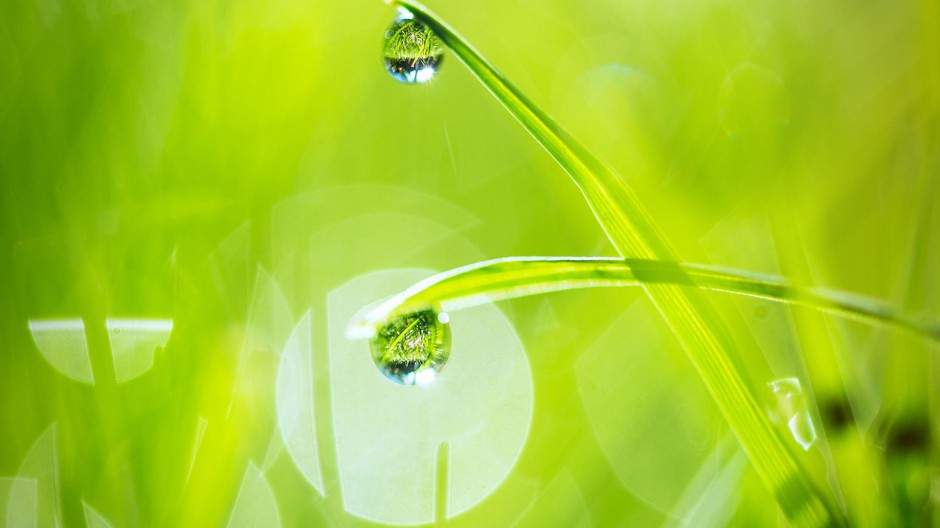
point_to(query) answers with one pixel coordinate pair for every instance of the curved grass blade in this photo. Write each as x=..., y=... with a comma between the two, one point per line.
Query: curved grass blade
x=512, y=277
x=691, y=317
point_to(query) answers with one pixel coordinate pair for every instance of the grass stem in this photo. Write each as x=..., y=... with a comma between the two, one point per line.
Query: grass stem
x=692, y=318
x=512, y=277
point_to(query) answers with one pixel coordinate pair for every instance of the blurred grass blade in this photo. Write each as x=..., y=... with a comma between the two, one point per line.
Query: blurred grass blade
x=693, y=320
x=512, y=277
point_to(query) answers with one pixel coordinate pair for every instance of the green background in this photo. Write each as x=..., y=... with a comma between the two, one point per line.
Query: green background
x=148, y=149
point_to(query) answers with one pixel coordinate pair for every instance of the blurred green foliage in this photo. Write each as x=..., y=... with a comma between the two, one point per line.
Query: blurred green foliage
x=152, y=155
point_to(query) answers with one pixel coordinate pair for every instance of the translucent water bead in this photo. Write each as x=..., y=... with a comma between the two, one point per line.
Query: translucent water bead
x=413, y=348
x=412, y=51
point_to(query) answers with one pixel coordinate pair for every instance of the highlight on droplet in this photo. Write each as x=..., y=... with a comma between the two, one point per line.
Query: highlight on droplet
x=792, y=410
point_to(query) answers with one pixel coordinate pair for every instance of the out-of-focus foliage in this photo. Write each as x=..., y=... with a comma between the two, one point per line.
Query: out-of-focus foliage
x=224, y=166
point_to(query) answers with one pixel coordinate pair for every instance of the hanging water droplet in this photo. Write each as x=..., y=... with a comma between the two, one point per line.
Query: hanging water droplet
x=412, y=51
x=413, y=348
x=793, y=411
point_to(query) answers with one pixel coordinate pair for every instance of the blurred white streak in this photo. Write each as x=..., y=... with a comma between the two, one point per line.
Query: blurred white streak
x=18, y=498
x=295, y=404
x=197, y=443
x=255, y=505
x=134, y=343
x=93, y=519
x=63, y=344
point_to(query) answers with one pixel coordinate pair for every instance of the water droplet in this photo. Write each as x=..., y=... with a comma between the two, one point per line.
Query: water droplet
x=412, y=51
x=413, y=348
x=792, y=410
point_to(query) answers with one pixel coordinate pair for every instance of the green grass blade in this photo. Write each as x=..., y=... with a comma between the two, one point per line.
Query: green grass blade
x=513, y=277
x=691, y=317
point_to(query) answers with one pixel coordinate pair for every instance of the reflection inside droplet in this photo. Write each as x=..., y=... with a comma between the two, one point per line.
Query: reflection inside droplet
x=413, y=348
x=791, y=409
x=412, y=51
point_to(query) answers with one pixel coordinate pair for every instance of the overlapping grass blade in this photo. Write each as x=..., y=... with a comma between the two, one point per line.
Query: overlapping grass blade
x=512, y=277
x=692, y=318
